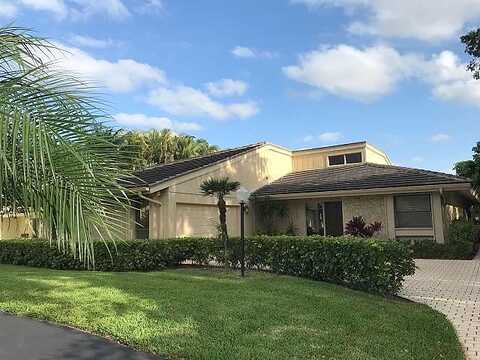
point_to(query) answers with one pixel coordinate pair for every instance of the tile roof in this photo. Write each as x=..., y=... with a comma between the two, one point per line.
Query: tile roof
x=355, y=177
x=160, y=173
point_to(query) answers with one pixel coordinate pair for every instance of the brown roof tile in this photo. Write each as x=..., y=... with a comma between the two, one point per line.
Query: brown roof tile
x=160, y=173
x=355, y=177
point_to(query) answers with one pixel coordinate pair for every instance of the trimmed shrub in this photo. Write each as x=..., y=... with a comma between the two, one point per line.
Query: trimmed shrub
x=429, y=249
x=461, y=244
x=364, y=264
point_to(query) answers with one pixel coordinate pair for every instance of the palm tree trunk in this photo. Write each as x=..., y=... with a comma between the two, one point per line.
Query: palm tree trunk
x=222, y=213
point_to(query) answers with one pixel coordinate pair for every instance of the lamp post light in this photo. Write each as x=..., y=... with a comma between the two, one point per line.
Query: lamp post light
x=242, y=196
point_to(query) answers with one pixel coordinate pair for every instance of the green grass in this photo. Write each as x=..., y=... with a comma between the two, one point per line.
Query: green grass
x=209, y=314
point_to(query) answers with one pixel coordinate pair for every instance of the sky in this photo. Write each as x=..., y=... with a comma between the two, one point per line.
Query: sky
x=297, y=73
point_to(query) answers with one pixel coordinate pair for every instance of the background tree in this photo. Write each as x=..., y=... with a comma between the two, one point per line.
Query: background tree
x=162, y=146
x=57, y=161
x=220, y=187
x=472, y=48
x=471, y=168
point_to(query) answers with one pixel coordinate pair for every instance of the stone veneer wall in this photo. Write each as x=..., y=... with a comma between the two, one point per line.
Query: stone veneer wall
x=371, y=208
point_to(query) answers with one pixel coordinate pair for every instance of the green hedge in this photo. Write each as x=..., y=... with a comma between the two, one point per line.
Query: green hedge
x=460, y=244
x=370, y=265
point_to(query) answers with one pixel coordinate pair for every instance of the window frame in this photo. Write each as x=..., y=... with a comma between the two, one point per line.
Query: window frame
x=430, y=211
x=344, y=155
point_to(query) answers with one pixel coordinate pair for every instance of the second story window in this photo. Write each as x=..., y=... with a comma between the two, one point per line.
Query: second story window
x=352, y=158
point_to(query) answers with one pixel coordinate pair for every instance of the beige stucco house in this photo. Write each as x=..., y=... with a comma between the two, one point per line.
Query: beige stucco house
x=318, y=190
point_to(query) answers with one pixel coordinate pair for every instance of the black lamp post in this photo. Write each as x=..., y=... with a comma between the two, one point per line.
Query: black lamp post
x=242, y=196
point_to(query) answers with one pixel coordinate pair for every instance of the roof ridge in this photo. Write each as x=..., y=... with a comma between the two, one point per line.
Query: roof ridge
x=438, y=173
x=156, y=166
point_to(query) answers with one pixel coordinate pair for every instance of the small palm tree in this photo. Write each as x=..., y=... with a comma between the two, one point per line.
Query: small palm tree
x=220, y=187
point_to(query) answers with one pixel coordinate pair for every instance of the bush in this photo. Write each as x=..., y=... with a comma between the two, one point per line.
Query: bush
x=134, y=255
x=365, y=264
x=358, y=227
x=429, y=249
x=370, y=265
x=461, y=244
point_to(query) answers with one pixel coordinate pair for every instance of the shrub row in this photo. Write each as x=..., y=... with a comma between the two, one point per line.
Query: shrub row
x=370, y=265
x=461, y=244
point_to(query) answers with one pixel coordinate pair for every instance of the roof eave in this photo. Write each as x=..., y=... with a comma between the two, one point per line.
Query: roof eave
x=368, y=191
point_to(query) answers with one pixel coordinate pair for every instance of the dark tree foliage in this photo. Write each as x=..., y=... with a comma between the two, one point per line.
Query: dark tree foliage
x=472, y=48
x=471, y=168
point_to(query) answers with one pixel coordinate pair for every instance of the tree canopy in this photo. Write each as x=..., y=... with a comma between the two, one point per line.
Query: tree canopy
x=472, y=48
x=161, y=146
x=471, y=168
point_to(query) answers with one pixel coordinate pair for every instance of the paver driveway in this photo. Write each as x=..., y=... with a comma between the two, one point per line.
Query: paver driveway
x=453, y=288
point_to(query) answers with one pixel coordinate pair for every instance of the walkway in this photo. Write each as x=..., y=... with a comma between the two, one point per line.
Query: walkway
x=453, y=288
x=27, y=339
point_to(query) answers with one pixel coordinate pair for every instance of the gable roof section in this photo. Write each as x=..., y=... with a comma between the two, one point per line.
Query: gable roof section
x=356, y=177
x=161, y=173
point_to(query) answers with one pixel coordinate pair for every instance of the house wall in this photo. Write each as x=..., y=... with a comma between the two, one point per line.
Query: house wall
x=318, y=158
x=371, y=208
x=374, y=155
x=15, y=227
x=181, y=209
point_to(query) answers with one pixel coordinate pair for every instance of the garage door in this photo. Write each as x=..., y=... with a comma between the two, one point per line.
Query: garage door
x=202, y=220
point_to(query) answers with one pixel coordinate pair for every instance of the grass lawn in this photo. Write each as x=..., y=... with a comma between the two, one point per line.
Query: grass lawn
x=209, y=314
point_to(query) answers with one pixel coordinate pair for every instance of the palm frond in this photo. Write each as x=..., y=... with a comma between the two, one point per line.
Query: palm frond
x=54, y=163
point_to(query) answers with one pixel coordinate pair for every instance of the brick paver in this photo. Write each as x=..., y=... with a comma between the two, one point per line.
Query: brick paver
x=453, y=288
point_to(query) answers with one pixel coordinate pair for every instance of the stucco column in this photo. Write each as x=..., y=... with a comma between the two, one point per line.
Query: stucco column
x=437, y=213
x=168, y=213
x=155, y=221
x=390, y=217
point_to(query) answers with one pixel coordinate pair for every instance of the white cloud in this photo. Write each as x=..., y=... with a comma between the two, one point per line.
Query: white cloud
x=449, y=79
x=55, y=6
x=141, y=121
x=425, y=19
x=114, y=9
x=226, y=87
x=362, y=74
x=184, y=100
x=330, y=137
x=249, y=53
x=120, y=76
x=370, y=73
x=326, y=137
x=150, y=6
x=243, y=52
x=91, y=42
x=75, y=9
x=440, y=137
x=8, y=9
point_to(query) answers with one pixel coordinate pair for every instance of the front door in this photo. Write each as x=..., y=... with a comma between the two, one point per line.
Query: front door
x=333, y=218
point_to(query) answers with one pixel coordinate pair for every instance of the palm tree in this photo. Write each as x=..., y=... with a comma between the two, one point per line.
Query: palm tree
x=220, y=187
x=55, y=164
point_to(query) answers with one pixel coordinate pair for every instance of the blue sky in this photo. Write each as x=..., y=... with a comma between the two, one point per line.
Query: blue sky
x=298, y=73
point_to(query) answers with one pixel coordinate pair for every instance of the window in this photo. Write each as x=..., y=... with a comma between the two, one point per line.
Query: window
x=352, y=158
x=336, y=160
x=413, y=211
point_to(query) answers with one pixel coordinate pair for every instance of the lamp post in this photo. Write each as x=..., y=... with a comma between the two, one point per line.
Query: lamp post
x=242, y=196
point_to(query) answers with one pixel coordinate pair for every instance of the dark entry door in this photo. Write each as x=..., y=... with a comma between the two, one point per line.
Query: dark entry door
x=333, y=218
